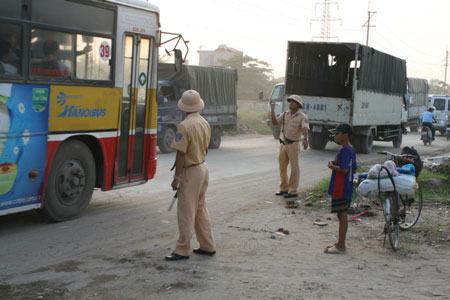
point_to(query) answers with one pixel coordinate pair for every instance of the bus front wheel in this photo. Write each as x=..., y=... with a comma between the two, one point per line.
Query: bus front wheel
x=71, y=182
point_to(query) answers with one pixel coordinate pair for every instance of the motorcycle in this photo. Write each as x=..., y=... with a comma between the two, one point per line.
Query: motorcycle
x=426, y=136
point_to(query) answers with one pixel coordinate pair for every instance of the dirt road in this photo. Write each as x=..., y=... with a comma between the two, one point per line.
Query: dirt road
x=116, y=249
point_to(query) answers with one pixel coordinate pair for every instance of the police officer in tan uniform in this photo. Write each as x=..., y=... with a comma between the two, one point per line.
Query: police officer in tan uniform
x=191, y=179
x=293, y=124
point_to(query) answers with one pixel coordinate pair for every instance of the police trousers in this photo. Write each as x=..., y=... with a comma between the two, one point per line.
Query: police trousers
x=192, y=212
x=289, y=156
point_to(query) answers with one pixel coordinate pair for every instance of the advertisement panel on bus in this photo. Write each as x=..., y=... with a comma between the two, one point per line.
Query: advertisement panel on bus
x=23, y=144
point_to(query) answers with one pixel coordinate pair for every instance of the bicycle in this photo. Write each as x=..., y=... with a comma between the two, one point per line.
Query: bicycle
x=400, y=211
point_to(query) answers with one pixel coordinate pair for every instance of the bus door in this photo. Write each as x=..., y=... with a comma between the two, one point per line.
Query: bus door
x=131, y=163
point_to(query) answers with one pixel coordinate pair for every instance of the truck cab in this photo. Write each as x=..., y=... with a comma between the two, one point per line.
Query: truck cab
x=442, y=112
x=168, y=114
x=217, y=87
x=278, y=95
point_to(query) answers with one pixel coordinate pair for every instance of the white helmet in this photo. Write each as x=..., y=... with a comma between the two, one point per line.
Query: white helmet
x=432, y=107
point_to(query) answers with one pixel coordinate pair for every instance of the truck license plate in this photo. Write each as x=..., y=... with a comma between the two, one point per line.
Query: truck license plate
x=317, y=128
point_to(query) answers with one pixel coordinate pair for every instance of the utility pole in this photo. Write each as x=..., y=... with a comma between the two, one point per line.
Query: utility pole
x=367, y=24
x=445, y=76
x=325, y=34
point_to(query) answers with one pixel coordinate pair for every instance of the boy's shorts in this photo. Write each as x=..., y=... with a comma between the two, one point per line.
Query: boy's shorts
x=340, y=205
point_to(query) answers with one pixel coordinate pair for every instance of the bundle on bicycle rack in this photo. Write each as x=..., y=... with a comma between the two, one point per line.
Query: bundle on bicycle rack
x=403, y=180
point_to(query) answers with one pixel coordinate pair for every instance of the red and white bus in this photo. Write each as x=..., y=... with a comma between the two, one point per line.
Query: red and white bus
x=78, y=105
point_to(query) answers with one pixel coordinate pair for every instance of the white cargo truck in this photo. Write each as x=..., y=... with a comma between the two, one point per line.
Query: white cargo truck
x=416, y=101
x=351, y=83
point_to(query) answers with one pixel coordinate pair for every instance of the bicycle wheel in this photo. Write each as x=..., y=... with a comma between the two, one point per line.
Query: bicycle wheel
x=391, y=217
x=410, y=208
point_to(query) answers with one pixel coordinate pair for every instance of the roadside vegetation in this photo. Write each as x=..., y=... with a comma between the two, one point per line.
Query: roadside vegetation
x=251, y=122
x=436, y=187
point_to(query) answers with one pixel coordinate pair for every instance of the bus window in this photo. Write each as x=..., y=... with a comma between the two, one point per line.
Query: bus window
x=10, y=8
x=73, y=15
x=10, y=50
x=51, y=54
x=93, y=58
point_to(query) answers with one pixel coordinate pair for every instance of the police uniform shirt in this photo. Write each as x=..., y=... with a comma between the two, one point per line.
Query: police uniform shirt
x=293, y=124
x=192, y=138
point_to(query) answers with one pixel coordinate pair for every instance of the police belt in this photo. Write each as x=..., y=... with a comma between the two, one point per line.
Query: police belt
x=287, y=141
x=193, y=165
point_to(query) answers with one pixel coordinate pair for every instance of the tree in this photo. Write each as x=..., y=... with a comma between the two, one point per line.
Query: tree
x=254, y=76
x=437, y=87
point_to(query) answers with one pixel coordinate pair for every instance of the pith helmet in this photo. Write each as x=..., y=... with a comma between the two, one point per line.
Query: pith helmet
x=191, y=102
x=296, y=98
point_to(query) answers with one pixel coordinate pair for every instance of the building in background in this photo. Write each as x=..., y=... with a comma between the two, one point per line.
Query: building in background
x=218, y=56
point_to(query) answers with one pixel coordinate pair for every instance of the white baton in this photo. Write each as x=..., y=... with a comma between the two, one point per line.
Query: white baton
x=174, y=199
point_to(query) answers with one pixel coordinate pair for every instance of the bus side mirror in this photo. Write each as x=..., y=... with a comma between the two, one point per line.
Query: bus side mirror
x=178, y=60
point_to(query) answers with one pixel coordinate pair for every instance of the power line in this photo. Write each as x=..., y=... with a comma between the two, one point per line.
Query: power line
x=297, y=4
x=395, y=43
x=399, y=39
x=283, y=19
x=446, y=66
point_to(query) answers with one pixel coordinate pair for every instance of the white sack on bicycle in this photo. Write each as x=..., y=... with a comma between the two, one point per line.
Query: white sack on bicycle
x=374, y=171
x=405, y=185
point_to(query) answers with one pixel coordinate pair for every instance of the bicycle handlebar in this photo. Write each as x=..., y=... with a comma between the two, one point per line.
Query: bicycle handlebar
x=397, y=155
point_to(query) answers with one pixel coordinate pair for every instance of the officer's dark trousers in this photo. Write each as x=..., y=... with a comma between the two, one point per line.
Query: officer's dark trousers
x=430, y=125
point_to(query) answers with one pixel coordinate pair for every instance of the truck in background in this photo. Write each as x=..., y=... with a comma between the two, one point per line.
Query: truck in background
x=416, y=101
x=217, y=87
x=351, y=83
x=442, y=112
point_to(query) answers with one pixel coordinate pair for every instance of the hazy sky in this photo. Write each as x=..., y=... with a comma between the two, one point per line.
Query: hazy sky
x=415, y=30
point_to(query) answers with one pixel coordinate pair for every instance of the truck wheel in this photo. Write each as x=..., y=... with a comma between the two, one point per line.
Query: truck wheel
x=363, y=143
x=216, y=138
x=276, y=132
x=317, y=141
x=166, y=140
x=397, y=141
x=71, y=182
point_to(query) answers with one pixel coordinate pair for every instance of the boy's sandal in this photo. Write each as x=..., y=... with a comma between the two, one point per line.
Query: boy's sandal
x=330, y=246
x=334, y=250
